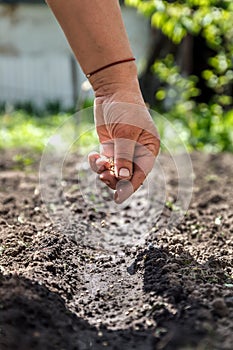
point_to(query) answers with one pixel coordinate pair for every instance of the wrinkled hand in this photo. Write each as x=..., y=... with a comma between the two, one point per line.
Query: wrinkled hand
x=128, y=136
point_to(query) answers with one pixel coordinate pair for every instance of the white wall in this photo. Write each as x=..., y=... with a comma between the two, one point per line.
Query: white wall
x=35, y=59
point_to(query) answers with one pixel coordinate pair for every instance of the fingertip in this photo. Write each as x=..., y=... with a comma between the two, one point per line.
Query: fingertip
x=123, y=169
x=124, y=190
x=104, y=179
x=109, y=179
x=93, y=156
x=102, y=161
x=107, y=182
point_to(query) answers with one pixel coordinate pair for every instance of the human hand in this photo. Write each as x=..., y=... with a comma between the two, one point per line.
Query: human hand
x=127, y=136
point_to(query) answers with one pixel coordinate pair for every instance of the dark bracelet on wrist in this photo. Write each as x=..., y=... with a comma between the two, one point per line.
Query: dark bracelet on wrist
x=110, y=65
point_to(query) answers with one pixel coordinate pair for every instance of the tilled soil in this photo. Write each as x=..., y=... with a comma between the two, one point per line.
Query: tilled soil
x=91, y=282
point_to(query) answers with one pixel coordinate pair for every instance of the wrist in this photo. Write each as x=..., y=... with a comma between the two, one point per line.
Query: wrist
x=112, y=80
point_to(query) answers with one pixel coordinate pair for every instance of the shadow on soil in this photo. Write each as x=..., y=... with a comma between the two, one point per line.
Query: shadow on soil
x=184, y=320
x=34, y=318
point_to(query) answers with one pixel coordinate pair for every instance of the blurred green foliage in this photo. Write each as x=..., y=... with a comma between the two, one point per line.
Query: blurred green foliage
x=203, y=126
x=207, y=124
x=19, y=129
x=210, y=18
x=24, y=131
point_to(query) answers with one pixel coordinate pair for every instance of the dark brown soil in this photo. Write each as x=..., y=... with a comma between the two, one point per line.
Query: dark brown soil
x=93, y=283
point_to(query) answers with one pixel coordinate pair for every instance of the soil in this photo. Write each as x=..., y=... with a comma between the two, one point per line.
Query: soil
x=106, y=278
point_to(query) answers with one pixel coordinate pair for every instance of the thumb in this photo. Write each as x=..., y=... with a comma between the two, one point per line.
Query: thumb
x=123, y=158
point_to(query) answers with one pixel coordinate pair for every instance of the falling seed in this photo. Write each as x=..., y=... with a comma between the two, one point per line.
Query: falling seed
x=103, y=223
x=218, y=221
x=111, y=163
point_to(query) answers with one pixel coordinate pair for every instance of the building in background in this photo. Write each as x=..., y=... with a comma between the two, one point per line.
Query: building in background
x=36, y=63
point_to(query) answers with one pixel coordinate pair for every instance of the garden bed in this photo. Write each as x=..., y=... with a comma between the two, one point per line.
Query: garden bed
x=83, y=287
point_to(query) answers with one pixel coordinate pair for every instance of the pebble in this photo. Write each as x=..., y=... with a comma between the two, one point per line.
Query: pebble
x=150, y=246
x=220, y=307
x=149, y=323
x=204, y=314
x=229, y=301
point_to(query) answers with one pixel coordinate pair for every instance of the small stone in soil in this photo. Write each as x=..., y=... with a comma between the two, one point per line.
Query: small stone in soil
x=220, y=307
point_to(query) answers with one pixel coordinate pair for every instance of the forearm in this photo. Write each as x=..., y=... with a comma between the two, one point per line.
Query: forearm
x=96, y=33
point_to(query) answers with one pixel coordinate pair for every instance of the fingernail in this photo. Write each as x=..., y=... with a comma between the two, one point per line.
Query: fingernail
x=124, y=172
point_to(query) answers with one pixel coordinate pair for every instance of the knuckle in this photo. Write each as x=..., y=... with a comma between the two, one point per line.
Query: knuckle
x=123, y=157
x=154, y=148
x=125, y=131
